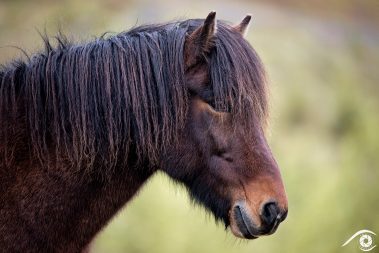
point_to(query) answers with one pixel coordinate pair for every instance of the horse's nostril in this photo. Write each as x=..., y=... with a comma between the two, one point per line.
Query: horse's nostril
x=270, y=213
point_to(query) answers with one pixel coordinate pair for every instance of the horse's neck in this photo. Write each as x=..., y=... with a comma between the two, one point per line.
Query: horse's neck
x=55, y=209
x=50, y=211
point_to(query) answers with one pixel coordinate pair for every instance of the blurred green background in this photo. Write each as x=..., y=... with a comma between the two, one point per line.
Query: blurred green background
x=322, y=58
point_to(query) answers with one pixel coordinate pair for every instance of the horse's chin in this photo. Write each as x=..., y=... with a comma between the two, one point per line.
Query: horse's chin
x=241, y=225
x=242, y=233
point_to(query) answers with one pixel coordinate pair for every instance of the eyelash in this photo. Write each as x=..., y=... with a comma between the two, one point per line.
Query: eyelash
x=208, y=96
x=209, y=99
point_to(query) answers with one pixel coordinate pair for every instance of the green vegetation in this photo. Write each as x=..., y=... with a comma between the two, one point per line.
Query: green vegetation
x=324, y=130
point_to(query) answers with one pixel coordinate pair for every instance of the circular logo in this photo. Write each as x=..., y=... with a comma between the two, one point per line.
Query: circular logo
x=365, y=241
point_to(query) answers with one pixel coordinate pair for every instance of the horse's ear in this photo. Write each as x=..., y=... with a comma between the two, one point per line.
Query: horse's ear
x=243, y=27
x=200, y=41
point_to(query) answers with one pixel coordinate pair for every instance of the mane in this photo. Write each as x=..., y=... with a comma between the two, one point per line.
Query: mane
x=93, y=102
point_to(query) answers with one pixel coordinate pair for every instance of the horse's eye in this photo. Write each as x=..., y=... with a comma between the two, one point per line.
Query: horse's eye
x=208, y=96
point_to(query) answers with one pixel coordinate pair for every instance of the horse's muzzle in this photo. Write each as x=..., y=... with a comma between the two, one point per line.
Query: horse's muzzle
x=245, y=226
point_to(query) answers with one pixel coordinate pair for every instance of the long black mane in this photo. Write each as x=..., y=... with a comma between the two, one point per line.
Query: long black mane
x=92, y=102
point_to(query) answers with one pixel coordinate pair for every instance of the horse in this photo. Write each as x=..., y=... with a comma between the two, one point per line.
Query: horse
x=84, y=125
